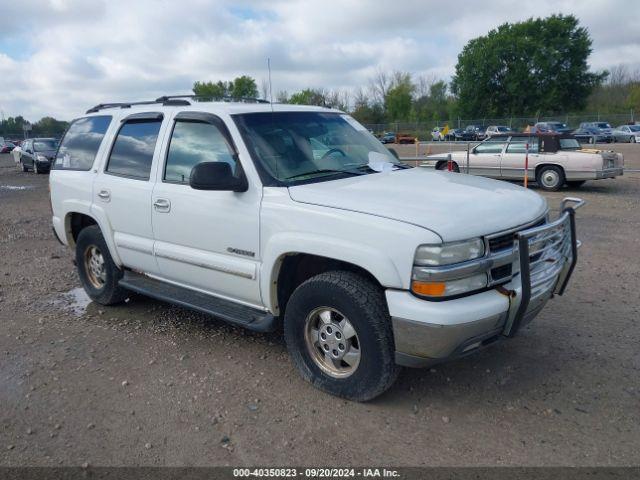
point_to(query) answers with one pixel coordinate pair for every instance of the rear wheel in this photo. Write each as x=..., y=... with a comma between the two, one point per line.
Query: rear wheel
x=338, y=333
x=550, y=178
x=632, y=139
x=24, y=167
x=98, y=273
x=444, y=167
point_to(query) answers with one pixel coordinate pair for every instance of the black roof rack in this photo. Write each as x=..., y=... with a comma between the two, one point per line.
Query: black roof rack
x=175, y=100
x=224, y=98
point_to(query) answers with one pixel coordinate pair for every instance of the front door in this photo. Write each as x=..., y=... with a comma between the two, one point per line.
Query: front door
x=206, y=240
x=484, y=159
x=513, y=159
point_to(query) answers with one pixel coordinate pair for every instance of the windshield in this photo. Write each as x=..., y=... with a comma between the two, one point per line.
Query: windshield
x=301, y=146
x=569, y=144
x=603, y=125
x=558, y=125
x=44, y=145
x=503, y=129
x=634, y=128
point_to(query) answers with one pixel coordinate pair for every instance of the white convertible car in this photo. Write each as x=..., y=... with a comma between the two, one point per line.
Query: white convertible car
x=553, y=160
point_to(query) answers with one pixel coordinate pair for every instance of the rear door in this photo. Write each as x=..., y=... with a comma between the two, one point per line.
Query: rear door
x=122, y=190
x=206, y=240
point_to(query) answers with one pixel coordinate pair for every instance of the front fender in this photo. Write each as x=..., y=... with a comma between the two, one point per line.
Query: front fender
x=373, y=260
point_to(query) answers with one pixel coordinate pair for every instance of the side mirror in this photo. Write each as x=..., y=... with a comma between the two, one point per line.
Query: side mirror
x=216, y=176
x=394, y=153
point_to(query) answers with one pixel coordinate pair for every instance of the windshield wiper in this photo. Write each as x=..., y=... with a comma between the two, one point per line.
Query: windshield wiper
x=325, y=170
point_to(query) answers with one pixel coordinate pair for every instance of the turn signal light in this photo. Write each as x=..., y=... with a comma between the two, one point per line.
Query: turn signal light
x=429, y=289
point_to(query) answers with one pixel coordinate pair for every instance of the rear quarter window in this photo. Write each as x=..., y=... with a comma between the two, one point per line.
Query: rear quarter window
x=81, y=142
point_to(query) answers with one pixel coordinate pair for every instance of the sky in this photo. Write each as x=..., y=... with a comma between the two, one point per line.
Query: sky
x=60, y=57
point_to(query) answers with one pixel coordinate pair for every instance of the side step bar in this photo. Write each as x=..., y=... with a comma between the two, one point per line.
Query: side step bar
x=241, y=315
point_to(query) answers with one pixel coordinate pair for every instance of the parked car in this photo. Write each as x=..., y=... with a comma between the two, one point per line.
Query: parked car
x=551, y=127
x=437, y=135
x=605, y=127
x=553, y=160
x=7, y=147
x=388, y=137
x=454, y=135
x=498, y=130
x=473, y=133
x=588, y=133
x=36, y=154
x=223, y=208
x=627, y=133
x=405, y=138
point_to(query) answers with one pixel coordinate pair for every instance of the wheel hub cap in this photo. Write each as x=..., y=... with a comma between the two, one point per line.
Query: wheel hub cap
x=550, y=179
x=94, y=266
x=332, y=342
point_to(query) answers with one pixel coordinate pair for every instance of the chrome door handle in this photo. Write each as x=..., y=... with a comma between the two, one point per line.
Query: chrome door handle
x=104, y=195
x=162, y=205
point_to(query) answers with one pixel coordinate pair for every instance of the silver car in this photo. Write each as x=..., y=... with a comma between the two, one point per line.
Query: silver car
x=627, y=133
x=553, y=160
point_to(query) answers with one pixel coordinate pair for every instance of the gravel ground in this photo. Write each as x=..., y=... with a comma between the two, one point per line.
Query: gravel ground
x=146, y=383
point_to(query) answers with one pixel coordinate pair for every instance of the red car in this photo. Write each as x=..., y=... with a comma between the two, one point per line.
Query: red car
x=7, y=147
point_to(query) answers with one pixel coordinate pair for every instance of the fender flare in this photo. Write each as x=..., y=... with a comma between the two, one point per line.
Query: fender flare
x=371, y=259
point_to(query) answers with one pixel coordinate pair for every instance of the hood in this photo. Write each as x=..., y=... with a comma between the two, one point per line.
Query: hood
x=46, y=153
x=453, y=205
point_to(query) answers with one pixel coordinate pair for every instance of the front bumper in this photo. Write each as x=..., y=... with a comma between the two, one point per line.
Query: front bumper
x=428, y=332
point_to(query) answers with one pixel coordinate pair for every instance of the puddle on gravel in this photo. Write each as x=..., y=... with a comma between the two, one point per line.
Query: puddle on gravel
x=16, y=187
x=75, y=300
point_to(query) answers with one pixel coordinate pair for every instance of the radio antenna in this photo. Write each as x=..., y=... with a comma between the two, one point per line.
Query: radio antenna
x=270, y=92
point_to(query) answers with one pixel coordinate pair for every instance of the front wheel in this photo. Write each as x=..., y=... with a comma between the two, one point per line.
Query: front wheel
x=632, y=139
x=338, y=332
x=98, y=273
x=443, y=166
x=550, y=178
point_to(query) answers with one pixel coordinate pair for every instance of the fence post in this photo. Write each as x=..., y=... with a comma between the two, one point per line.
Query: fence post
x=526, y=166
x=467, y=158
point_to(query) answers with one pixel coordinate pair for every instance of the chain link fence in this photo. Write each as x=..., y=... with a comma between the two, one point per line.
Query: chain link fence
x=422, y=130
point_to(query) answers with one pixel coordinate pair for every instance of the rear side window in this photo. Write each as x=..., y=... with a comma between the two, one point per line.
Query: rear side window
x=132, y=151
x=193, y=143
x=80, y=144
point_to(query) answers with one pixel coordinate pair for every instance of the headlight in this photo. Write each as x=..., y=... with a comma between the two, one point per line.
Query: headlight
x=448, y=253
x=432, y=276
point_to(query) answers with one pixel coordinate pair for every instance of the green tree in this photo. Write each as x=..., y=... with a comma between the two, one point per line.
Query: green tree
x=49, y=126
x=399, y=98
x=308, y=96
x=539, y=65
x=243, y=86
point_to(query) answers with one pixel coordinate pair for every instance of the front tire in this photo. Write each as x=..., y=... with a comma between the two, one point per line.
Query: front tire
x=550, y=178
x=338, y=332
x=632, y=139
x=98, y=273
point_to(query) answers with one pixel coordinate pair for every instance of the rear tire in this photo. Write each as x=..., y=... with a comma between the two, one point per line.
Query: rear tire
x=550, y=178
x=632, y=139
x=338, y=332
x=24, y=167
x=443, y=167
x=98, y=273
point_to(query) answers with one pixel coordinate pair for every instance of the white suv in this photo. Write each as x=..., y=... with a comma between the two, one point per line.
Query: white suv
x=281, y=216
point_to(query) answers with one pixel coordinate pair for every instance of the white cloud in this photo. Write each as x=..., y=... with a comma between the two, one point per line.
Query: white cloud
x=60, y=57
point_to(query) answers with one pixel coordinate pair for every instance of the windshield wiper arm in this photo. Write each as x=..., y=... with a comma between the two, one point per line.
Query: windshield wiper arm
x=325, y=170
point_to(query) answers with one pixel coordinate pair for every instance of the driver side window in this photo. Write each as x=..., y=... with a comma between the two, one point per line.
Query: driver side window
x=489, y=147
x=191, y=143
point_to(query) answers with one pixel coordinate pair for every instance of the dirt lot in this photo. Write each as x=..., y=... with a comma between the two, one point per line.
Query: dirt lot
x=149, y=384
